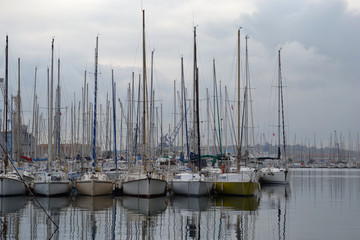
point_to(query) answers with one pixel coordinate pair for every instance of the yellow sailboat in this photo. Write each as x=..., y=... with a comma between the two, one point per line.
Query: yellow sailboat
x=242, y=181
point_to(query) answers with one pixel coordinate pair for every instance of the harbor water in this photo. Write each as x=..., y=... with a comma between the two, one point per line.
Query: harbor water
x=317, y=204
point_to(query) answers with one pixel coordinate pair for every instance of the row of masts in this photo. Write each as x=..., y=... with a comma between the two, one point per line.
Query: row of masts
x=81, y=119
x=54, y=127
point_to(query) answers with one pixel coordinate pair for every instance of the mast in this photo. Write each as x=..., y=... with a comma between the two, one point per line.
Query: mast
x=132, y=110
x=18, y=115
x=182, y=108
x=225, y=125
x=83, y=113
x=144, y=89
x=58, y=113
x=137, y=121
x=6, y=91
x=174, y=140
x=161, y=129
x=36, y=129
x=194, y=96
x=34, y=114
x=282, y=110
x=238, y=105
x=114, y=116
x=196, y=106
x=151, y=105
x=107, y=148
x=129, y=125
x=214, y=113
x=246, y=103
x=197, y=117
x=95, y=96
x=50, y=153
x=244, y=122
x=208, y=119
x=72, y=132
x=279, y=100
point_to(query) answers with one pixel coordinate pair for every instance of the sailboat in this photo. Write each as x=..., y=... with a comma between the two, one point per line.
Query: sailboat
x=94, y=183
x=243, y=181
x=275, y=174
x=141, y=181
x=10, y=182
x=193, y=183
x=50, y=182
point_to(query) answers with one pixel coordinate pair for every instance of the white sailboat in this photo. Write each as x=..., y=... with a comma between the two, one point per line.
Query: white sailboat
x=94, y=183
x=10, y=182
x=192, y=183
x=243, y=181
x=141, y=181
x=274, y=173
x=50, y=182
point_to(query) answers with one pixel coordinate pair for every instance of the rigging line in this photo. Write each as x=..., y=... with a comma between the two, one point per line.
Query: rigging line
x=232, y=131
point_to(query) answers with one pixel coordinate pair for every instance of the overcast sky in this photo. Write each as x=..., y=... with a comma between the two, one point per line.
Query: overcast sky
x=319, y=40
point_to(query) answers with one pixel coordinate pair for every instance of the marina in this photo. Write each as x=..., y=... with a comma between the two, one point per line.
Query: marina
x=117, y=123
x=316, y=204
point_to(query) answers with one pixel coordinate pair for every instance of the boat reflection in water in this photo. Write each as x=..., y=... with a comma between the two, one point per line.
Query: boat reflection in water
x=39, y=222
x=142, y=217
x=238, y=203
x=11, y=204
x=96, y=214
x=276, y=197
x=53, y=203
x=191, y=216
x=10, y=207
x=143, y=206
x=94, y=204
x=190, y=203
x=275, y=192
x=236, y=216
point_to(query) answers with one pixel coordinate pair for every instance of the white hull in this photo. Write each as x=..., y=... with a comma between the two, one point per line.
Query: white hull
x=94, y=187
x=191, y=188
x=11, y=186
x=274, y=176
x=144, y=187
x=52, y=188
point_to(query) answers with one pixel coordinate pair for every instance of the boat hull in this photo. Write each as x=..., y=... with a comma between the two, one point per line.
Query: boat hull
x=50, y=188
x=274, y=177
x=11, y=187
x=145, y=187
x=94, y=187
x=191, y=188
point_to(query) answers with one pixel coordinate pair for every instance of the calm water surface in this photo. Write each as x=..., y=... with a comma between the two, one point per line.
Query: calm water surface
x=317, y=204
